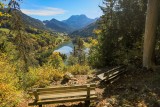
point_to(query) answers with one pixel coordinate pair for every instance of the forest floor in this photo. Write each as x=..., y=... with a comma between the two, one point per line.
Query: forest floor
x=136, y=88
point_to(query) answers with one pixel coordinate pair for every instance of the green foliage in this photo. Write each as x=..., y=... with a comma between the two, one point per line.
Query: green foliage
x=56, y=60
x=72, y=60
x=41, y=76
x=121, y=31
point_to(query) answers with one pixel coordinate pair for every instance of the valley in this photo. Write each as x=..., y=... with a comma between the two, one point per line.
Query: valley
x=103, y=53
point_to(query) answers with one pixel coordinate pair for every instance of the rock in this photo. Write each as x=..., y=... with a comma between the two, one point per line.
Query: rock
x=90, y=77
x=68, y=76
x=74, y=79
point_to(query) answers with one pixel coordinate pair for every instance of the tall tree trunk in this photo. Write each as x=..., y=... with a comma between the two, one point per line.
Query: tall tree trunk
x=150, y=33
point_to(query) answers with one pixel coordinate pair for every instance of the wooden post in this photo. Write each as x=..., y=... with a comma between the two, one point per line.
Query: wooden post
x=87, y=102
x=40, y=105
x=35, y=95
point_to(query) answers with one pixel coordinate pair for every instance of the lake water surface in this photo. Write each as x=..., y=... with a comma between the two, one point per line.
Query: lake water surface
x=67, y=48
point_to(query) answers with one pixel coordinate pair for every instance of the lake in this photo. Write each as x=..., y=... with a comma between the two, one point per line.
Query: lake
x=67, y=48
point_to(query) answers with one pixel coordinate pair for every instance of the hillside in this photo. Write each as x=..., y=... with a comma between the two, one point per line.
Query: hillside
x=86, y=31
x=28, y=21
x=32, y=22
x=57, y=26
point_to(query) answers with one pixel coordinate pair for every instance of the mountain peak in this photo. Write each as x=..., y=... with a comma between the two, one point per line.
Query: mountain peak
x=77, y=17
x=78, y=21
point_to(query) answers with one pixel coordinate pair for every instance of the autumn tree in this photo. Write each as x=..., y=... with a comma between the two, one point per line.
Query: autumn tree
x=17, y=28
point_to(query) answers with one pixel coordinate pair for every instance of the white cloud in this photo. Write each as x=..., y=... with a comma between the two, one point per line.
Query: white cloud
x=46, y=11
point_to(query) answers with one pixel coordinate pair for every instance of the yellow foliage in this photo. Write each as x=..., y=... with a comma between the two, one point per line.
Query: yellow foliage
x=9, y=94
x=94, y=42
x=1, y=14
x=2, y=6
x=56, y=54
x=79, y=69
x=56, y=60
x=97, y=31
x=42, y=76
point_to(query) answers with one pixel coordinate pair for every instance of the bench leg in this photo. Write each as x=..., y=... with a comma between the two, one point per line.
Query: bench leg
x=40, y=105
x=87, y=103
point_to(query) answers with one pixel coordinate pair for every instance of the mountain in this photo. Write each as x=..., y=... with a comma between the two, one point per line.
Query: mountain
x=75, y=22
x=58, y=26
x=78, y=21
x=86, y=31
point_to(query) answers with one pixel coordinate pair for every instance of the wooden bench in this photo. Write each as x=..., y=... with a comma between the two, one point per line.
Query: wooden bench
x=112, y=75
x=63, y=94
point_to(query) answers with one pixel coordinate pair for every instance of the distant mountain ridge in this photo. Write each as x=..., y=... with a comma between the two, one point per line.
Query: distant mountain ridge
x=86, y=31
x=58, y=26
x=75, y=25
x=75, y=22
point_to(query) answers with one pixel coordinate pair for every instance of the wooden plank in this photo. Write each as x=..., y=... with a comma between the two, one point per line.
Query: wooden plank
x=114, y=69
x=71, y=94
x=109, y=73
x=65, y=87
x=61, y=101
x=64, y=91
x=101, y=76
x=61, y=89
x=66, y=97
x=114, y=76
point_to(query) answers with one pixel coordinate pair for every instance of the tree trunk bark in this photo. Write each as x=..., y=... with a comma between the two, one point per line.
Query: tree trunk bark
x=150, y=33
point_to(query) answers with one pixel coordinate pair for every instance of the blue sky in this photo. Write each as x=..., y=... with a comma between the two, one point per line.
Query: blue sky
x=61, y=9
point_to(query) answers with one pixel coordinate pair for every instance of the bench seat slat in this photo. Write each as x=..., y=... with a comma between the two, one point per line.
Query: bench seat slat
x=63, y=87
x=63, y=91
x=60, y=89
x=65, y=95
x=62, y=100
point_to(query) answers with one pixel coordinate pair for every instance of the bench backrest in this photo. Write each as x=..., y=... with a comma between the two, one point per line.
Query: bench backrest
x=63, y=91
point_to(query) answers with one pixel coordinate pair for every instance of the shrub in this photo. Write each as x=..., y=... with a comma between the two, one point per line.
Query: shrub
x=42, y=76
x=79, y=69
x=56, y=60
x=9, y=93
x=72, y=60
x=9, y=96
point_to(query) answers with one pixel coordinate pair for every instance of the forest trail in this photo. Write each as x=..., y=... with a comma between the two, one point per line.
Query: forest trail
x=129, y=90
